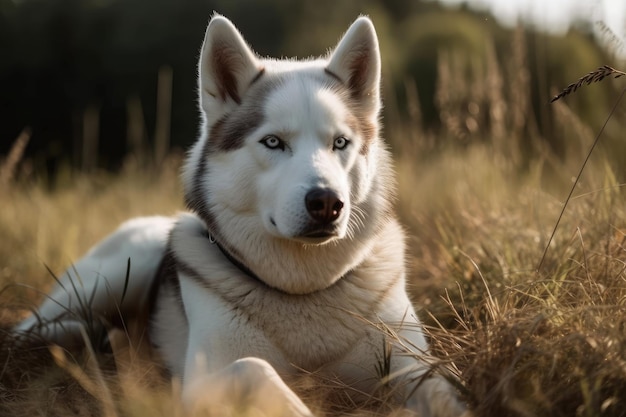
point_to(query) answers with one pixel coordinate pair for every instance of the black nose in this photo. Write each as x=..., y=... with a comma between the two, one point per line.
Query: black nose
x=323, y=205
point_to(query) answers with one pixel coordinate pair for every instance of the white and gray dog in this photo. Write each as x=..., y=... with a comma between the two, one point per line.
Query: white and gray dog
x=290, y=259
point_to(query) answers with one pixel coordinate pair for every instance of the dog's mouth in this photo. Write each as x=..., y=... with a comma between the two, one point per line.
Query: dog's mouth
x=319, y=234
x=314, y=233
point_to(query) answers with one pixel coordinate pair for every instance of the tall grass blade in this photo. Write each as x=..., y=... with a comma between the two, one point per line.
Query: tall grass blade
x=126, y=281
x=580, y=172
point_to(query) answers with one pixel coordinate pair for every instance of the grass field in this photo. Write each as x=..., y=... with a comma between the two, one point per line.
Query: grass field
x=526, y=334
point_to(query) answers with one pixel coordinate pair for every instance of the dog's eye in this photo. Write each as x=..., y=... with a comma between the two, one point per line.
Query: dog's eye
x=340, y=143
x=273, y=142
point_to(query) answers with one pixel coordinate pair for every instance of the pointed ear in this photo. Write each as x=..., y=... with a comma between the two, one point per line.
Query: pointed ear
x=356, y=62
x=227, y=67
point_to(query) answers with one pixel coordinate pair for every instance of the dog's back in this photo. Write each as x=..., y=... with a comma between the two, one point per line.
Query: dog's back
x=112, y=281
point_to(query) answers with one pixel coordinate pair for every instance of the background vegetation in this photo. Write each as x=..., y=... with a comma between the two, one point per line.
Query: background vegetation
x=106, y=92
x=97, y=80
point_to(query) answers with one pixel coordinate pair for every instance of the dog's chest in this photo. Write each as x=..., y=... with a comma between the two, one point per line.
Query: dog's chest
x=303, y=331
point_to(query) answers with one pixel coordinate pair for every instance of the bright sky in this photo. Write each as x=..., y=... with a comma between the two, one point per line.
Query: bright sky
x=555, y=15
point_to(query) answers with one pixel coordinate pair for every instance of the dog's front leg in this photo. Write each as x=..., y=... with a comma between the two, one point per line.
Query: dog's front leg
x=245, y=385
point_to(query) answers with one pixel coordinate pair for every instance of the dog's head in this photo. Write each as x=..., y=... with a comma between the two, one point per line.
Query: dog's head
x=289, y=156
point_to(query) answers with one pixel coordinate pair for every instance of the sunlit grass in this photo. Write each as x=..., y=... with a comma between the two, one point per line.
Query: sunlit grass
x=526, y=341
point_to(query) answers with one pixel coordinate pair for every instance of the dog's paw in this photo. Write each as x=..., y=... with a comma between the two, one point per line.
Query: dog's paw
x=245, y=385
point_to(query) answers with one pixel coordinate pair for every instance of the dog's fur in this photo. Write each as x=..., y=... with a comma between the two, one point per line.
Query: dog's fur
x=291, y=258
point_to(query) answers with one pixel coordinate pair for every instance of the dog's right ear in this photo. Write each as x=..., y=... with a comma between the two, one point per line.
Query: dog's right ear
x=226, y=68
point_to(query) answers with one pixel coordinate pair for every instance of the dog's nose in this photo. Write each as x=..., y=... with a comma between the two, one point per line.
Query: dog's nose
x=323, y=205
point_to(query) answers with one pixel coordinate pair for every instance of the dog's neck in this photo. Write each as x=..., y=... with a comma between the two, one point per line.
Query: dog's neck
x=289, y=270
x=245, y=269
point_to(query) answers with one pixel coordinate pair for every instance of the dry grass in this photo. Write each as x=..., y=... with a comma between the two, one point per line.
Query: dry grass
x=526, y=343
x=523, y=341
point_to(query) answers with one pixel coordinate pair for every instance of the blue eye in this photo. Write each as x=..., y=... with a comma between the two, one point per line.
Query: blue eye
x=340, y=143
x=273, y=142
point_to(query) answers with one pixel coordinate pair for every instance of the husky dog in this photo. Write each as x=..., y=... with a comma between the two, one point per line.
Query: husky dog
x=290, y=259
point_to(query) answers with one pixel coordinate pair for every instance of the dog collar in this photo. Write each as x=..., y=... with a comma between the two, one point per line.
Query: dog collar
x=240, y=265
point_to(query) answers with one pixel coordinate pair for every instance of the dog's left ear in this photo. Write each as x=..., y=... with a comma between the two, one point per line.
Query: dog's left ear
x=356, y=62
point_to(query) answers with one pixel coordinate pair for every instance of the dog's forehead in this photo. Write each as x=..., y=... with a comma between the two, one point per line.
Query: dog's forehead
x=300, y=104
x=289, y=86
